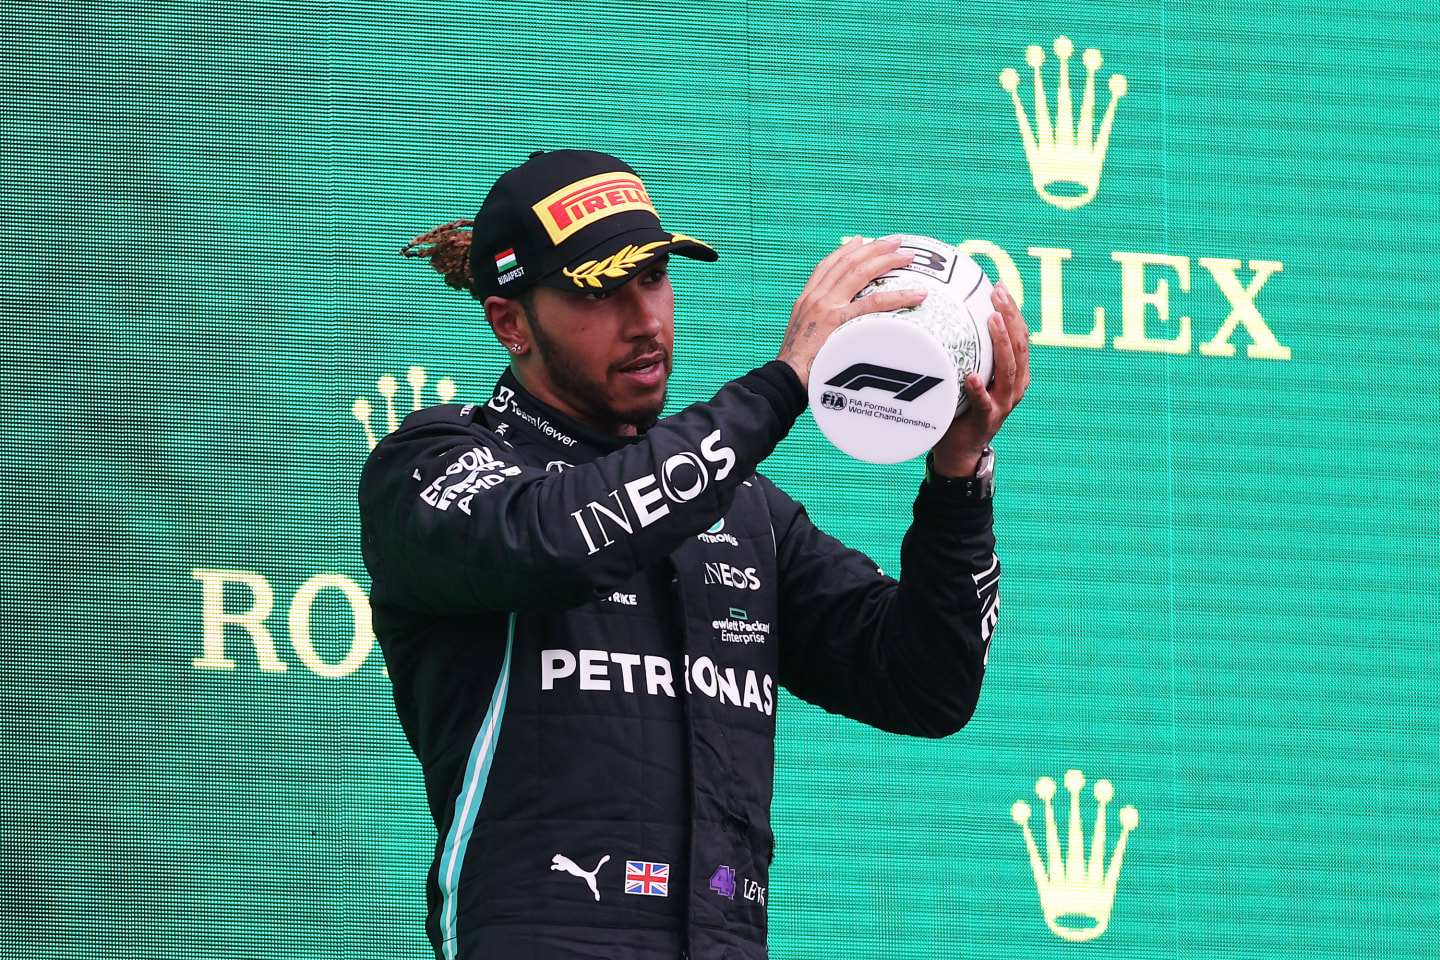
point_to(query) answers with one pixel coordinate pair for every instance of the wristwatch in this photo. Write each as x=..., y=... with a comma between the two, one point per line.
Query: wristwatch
x=979, y=487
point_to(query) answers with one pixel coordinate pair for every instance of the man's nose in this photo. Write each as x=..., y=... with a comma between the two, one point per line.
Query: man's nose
x=643, y=313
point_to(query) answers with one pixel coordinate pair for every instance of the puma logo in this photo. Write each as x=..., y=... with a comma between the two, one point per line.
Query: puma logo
x=562, y=862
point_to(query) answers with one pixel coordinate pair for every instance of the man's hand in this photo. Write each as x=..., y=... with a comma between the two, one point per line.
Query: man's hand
x=828, y=299
x=958, y=452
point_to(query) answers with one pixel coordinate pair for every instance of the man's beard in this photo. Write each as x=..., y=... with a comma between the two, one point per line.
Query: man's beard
x=566, y=376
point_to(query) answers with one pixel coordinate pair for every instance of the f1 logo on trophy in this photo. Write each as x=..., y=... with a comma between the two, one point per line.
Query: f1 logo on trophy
x=886, y=386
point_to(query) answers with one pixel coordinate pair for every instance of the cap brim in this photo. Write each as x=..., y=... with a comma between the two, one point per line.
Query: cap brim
x=620, y=259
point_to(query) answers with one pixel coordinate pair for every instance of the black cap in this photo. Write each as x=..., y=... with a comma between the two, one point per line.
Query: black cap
x=570, y=219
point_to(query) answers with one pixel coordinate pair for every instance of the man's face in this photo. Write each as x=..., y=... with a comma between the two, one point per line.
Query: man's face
x=604, y=357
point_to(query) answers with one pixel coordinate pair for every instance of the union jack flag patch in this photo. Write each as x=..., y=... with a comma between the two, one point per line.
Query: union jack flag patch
x=647, y=879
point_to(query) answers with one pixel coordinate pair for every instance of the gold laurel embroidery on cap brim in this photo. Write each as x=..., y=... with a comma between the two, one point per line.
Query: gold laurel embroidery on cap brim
x=618, y=264
x=681, y=238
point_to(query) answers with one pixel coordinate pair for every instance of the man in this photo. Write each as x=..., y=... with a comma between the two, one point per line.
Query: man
x=586, y=611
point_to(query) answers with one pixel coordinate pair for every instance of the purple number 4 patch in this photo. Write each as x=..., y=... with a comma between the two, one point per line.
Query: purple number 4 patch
x=722, y=881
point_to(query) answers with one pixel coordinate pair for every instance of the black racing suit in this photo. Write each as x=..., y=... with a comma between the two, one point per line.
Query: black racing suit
x=585, y=634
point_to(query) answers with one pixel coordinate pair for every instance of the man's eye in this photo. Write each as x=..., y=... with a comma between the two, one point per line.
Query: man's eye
x=656, y=275
x=594, y=295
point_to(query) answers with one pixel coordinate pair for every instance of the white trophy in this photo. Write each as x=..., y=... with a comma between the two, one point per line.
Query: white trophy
x=886, y=386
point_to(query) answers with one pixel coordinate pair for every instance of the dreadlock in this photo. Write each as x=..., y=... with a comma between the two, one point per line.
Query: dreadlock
x=447, y=248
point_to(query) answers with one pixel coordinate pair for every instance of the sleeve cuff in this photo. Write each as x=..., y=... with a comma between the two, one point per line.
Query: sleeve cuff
x=777, y=382
x=957, y=501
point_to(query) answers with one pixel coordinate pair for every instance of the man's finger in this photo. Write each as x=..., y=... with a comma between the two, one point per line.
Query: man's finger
x=1020, y=341
x=855, y=272
x=822, y=270
x=852, y=251
x=1005, y=361
x=981, y=401
x=848, y=269
x=1015, y=326
x=883, y=301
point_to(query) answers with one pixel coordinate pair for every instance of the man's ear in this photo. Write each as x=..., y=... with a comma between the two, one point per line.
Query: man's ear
x=511, y=326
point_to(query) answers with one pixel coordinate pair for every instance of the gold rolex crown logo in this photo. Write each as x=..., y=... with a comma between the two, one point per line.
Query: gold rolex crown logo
x=1065, y=159
x=1074, y=890
x=362, y=410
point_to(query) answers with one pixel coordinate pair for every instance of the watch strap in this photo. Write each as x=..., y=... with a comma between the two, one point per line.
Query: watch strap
x=979, y=487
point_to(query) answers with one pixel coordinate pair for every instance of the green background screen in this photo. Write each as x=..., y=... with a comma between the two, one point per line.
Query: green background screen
x=1215, y=507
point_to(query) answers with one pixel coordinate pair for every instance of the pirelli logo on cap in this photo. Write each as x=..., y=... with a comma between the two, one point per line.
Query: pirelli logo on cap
x=573, y=207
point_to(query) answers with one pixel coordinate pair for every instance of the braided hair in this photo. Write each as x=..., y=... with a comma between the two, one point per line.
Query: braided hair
x=447, y=247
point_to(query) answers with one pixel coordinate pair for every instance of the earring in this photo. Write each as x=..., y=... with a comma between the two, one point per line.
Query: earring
x=514, y=348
